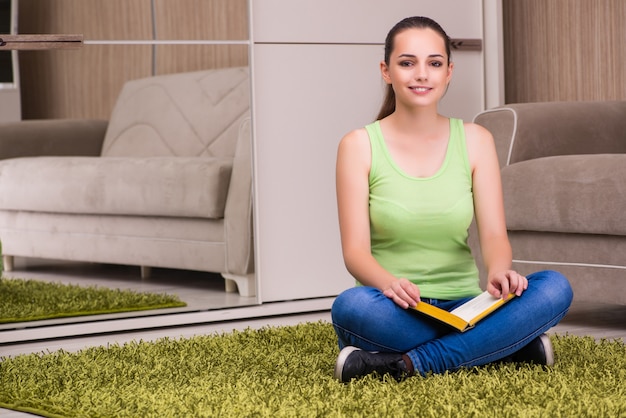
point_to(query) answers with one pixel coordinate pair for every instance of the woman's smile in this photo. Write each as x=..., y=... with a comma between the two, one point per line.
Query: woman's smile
x=420, y=89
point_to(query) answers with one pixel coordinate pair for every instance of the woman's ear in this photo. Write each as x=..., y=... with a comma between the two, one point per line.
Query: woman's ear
x=384, y=70
x=450, y=71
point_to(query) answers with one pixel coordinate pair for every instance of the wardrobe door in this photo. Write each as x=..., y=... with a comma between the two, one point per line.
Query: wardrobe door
x=316, y=76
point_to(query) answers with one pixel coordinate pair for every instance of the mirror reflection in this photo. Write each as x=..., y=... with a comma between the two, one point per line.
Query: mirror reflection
x=142, y=175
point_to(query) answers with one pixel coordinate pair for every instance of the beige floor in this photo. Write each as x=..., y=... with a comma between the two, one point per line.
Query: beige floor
x=205, y=296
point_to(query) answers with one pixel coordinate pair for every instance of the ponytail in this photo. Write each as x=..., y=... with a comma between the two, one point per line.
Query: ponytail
x=389, y=103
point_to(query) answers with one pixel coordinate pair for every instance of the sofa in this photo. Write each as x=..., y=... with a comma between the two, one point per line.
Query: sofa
x=165, y=182
x=563, y=167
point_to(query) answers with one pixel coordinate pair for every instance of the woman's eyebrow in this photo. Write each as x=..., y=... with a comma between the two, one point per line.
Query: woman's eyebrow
x=413, y=56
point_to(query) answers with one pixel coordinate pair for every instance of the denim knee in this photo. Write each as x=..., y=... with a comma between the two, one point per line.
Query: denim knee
x=554, y=287
x=344, y=304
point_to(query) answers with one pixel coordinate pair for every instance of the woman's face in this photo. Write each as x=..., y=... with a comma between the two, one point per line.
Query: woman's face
x=418, y=67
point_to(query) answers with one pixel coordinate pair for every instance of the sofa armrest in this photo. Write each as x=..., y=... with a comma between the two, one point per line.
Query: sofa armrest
x=52, y=137
x=238, y=211
x=526, y=131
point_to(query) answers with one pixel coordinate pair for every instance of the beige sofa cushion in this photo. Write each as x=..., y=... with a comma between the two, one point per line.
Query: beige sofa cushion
x=157, y=186
x=583, y=194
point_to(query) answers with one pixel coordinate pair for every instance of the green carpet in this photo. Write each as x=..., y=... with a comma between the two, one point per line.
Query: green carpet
x=287, y=372
x=31, y=300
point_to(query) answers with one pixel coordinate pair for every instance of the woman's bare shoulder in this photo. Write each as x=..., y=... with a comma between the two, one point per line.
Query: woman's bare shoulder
x=477, y=133
x=355, y=141
x=355, y=146
x=358, y=135
x=479, y=142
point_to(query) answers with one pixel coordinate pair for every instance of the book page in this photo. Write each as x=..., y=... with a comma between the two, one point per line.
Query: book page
x=476, y=306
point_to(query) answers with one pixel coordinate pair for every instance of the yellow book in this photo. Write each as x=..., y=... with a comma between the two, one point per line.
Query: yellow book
x=467, y=315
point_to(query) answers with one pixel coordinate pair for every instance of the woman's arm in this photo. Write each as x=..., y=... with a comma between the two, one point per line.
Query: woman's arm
x=490, y=217
x=352, y=173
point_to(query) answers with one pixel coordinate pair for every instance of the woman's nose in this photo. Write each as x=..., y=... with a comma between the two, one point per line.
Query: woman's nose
x=420, y=72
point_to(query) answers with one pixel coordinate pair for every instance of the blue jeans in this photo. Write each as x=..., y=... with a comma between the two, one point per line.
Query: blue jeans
x=365, y=318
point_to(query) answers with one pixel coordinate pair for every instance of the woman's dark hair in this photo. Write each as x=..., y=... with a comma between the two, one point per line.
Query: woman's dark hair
x=415, y=22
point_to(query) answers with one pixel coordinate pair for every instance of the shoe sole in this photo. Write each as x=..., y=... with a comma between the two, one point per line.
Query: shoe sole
x=341, y=360
x=548, y=349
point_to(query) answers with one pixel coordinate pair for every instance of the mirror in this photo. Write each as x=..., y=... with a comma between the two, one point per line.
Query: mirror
x=124, y=41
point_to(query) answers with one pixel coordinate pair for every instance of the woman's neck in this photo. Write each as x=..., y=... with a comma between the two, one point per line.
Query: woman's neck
x=420, y=122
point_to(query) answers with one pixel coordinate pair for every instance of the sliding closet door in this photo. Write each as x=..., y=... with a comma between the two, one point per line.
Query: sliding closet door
x=316, y=76
x=124, y=40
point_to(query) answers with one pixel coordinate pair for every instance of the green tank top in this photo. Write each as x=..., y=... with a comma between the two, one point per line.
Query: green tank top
x=419, y=226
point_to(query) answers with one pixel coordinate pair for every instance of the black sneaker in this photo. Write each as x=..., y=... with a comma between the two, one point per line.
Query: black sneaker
x=353, y=363
x=539, y=351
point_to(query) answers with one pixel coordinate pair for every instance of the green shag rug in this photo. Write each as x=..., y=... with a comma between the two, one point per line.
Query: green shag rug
x=287, y=372
x=31, y=300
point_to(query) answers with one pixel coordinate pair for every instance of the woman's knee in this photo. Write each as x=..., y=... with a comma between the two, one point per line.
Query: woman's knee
x=352, y=302
x=554, y=286
x=350, y=298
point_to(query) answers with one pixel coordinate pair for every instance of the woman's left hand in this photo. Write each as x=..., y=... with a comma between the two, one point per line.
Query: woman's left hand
x=503, y=283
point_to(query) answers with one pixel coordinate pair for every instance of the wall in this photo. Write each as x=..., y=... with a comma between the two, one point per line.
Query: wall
x=564, y=50
x=554, y=49
x=85, y=82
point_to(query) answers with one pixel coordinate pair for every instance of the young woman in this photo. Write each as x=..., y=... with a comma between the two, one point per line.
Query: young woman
x=408, y=186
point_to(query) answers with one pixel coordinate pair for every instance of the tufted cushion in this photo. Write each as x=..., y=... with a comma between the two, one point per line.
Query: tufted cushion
x=195, y=114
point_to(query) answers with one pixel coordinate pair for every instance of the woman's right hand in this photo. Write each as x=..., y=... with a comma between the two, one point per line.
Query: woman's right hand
x=403, y=292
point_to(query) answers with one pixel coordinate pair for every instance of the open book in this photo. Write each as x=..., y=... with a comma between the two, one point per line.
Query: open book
x=467, y=315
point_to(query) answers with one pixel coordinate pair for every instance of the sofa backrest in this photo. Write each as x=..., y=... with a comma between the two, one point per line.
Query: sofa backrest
x=533, y=130
x=194, y=114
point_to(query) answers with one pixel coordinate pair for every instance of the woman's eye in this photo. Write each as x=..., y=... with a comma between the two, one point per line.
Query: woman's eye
x=406, y=63
x=436, y=64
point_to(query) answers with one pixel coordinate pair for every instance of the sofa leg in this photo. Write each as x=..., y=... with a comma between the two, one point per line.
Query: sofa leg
x=230, y=285
x=7, y=262
x=146, y=272
x=246, y=284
